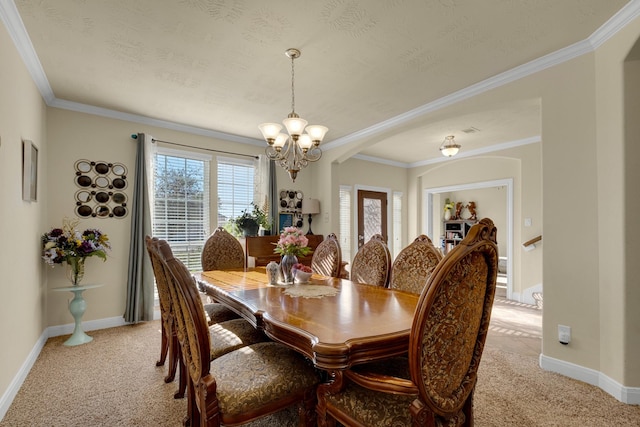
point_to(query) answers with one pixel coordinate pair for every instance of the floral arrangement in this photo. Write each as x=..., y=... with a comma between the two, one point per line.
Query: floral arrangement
x=292, y=242
x=69, y=245
x=449, y=205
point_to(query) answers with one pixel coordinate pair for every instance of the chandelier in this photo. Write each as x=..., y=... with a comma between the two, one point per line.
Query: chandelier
x=449, y=148
x=295, y=150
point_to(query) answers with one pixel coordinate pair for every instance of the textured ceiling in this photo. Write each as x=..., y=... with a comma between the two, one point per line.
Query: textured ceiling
x=220, y=64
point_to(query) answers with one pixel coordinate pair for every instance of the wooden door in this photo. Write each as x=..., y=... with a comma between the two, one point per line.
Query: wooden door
x=372, y=215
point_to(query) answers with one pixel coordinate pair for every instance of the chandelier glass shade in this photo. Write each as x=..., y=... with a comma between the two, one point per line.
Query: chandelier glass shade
x=295, y=149
x=449, y=148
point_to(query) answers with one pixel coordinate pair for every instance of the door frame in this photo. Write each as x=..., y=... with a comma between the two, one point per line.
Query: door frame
x=428, y=215
x=355, y=213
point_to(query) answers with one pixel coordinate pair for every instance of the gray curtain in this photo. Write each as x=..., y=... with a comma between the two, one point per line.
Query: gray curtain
x=140, y=299
x=274, y=200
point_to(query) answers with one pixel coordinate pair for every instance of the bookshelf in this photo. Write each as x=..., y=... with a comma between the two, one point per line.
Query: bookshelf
x=455, y=231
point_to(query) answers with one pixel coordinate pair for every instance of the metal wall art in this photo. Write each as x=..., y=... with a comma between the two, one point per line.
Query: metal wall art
x=102, y=186
x=290, y=209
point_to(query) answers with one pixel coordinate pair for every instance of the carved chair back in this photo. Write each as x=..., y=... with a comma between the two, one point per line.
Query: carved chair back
x=327, y=257
x=450, y=326
x=192, y=332
x=372, y=263
x=161, y=284
x=222, y=251
x=168, y=344
x=413, y=265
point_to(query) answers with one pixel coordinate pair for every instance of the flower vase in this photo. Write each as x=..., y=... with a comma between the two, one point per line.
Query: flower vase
x=286, y=263
x=75, y=270
x=447, y=214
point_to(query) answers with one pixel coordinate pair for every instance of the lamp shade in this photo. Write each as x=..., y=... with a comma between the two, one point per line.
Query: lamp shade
x=295, y=125
x=270, y=130
x=310, y=206
x=450, y=151
x=449, y=148
x=316, y=132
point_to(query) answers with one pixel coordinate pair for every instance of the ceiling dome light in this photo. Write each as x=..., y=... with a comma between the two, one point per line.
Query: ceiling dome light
x=449, y=148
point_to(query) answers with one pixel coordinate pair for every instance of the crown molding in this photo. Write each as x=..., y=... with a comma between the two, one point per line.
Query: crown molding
x=380, y=160
x=15, y=27
x=165, y=124
x=616, y=23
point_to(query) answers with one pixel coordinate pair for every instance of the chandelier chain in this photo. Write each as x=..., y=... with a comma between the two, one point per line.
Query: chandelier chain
x=293, y=92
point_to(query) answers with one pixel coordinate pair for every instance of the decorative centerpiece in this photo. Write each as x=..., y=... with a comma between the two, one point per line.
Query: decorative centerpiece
x=301, y=273
x=290, y=246
x=70, y=246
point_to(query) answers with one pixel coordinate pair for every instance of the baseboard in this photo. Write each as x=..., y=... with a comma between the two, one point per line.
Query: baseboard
x=11, y=391
x=51, y=331
x=630, y=395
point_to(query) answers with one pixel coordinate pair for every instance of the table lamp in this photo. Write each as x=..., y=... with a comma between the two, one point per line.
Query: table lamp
x=310, y=207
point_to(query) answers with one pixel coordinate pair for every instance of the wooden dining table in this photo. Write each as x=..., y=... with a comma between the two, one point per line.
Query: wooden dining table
x=336, y=323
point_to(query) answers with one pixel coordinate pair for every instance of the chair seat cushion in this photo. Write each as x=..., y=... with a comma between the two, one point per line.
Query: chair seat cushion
x=254, y=376
x=217, y=313
x=373, y=408
x=231, y=335
x=382, y=409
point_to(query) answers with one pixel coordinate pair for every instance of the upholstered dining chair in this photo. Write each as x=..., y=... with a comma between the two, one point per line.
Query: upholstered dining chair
x=372, y=263
x=241, y=386
x=222, y=251
x=327, y=258
x=168, y=343
x=435, y=385
x=413, y=265
x=226, y=334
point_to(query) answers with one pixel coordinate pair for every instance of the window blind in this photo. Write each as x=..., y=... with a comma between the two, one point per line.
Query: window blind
x=235, y=188
x=181, y=203
x=397, y=223
x=345, y=224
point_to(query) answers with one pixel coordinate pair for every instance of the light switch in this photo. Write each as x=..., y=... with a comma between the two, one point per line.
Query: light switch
x=527, y=222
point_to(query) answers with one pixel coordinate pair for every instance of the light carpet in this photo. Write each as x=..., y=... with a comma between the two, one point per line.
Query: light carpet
x=113, y=381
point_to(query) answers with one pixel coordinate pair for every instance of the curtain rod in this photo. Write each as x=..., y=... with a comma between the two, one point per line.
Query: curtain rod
x=135, y=136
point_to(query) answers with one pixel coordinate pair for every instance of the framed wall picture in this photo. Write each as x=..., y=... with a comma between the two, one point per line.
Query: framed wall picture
x=285, y=220
x=29, y=171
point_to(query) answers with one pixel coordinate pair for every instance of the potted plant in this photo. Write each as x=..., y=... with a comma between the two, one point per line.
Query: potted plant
x=248, y=223
x=264, y=221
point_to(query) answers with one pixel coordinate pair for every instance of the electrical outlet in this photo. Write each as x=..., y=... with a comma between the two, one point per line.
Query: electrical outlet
x=564, y=334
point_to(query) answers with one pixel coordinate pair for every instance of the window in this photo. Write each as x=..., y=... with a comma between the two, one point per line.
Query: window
x=345, y=223
x=181, y=203
x=235, y=188
x=397, y=223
